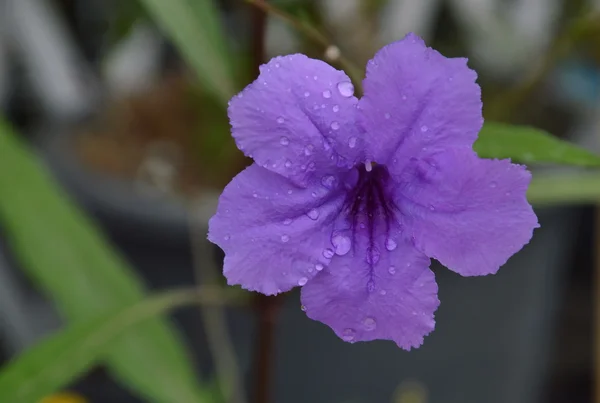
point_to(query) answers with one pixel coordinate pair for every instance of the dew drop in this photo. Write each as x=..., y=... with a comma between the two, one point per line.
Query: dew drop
x=287, y=221
x=335, y=125
x=348, y=334
x=328, y=253
x=284, y=141
x=315, y=78
x=370, y=286
x=404, y=97
x=336, y=108
x=290, y=192
x=328, y=181
x=342, y=244
x=288, y=164
x=346, y=88
x=303, y=167
x=424, y=129
x=302, y=281
x=352, y=142
x=303, y=308
x=373, y=255
x=326, y=94
x=382, y=292
x=392, y=270
x=255, y=195
x=387, y=115
x=507, y=193
x=277, y=65
x=319, y=267
x=370, y=324
x=227, y=237
x=285, y=238
x=313, y=214
x=311, y=165
x=431, y=207
x=315, y=107
x=280, y=120
x=493, y=184
x=390, y=244
x=306, y=94
x=368, y=166
x=308, y=149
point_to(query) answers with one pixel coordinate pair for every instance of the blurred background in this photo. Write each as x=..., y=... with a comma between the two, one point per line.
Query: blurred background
x=123, y=146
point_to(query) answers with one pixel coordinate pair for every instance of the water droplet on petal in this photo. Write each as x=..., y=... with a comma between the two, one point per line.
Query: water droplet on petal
x=370, y=324
x=255, y=195
x=424, y=129
x=373, y=255
x=352, y=142
x=315, y=78
x=288, y=164
x=348, y=334
x=313, y=214
x=382, y=292
x=346, y=88
x=280, y=120
x=328, y=253
x=493, y=184
x=319, y=267
x=370, y=286
x=302, y=308
x=306, y=94
x=308, y=149
x=335, y=125
x=390, y=244
x=507, y=193
x=302, y=281
x=290, y=192
x=326, y=94
x=284, y=141
x=336, y=108
x=227, y=237
x=328, y=181
x=342, y=244
x=313, y=194
x=285, y=238
x=431, y=207
x=392, y=270
x=404, y=97
x=387, y=115
x=287, y=221
x=368, y=166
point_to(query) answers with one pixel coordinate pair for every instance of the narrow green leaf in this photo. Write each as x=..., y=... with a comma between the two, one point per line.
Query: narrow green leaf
x=62, y=251
x=564, y=188
x=194, y=27
x=529, y=145
x=54, y=362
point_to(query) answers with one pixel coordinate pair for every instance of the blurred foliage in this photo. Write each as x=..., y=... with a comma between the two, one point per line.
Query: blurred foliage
x=64, y=253
x=530, y=146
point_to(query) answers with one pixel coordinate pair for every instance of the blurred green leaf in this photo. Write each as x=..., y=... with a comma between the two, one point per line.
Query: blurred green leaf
x=64, y=253
x=530, y=145
x=127, y=14
x=194, y=27
x=54, y=362
x=564, y=188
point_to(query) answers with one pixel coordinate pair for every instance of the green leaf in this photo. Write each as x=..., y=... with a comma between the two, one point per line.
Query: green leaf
x=54, y=362
x=194, y=27
x=65, y=254
x=529, y=145
x=564, y=188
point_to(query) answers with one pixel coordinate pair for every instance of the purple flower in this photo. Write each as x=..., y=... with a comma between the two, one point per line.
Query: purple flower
x=351, y=198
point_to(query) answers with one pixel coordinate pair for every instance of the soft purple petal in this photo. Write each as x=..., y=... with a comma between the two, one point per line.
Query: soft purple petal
x=273, y=233
x=393, y=299
x=469, y=213
x=295, y=121
x=417, y=100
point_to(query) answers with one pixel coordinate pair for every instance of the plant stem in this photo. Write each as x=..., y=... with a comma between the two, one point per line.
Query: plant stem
x=331, y=51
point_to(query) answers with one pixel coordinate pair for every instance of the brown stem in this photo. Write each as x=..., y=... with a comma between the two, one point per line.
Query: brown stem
x=259, y=27
x=268, y=308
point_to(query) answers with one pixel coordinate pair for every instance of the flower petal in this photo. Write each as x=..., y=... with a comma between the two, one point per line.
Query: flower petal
x=298, y=119
x=469, y=213
x=417, y=99
x=394, y=299
x=273, y=233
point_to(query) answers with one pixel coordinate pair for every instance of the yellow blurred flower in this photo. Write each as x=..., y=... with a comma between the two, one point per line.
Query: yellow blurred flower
x=65, y=397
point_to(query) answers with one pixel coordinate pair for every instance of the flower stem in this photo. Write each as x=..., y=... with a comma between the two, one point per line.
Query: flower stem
x=331, y=51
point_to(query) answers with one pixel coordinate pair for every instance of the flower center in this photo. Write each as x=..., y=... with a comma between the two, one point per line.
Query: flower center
x=369, y=207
